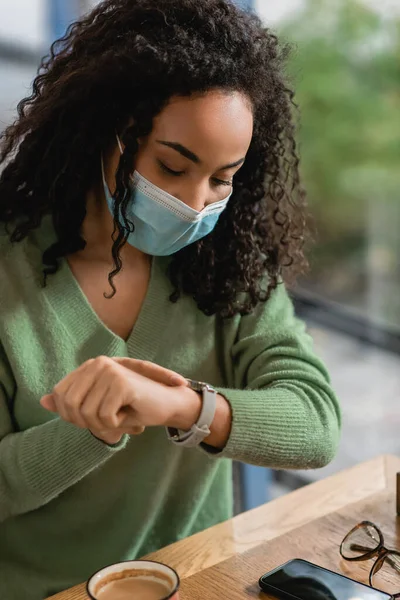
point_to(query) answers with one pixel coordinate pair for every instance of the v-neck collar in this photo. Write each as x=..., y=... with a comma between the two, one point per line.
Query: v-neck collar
x=82, y=323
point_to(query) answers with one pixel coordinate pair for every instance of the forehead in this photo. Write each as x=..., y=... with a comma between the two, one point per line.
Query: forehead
x=217, y=122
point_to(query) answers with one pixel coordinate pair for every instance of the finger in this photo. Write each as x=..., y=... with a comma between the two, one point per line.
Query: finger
x=75, y=390
x=79, y=381
x=63, y=386
x=127, y=418
x=48, y=403
x=152, y=371
x=90, y=407
x=60, y=407
x=76, y=395
x=110, y=413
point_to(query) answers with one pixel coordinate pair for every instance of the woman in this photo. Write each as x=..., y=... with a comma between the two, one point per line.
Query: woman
x=150, y=203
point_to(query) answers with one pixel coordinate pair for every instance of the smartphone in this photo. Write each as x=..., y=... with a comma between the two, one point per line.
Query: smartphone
x=301, y=580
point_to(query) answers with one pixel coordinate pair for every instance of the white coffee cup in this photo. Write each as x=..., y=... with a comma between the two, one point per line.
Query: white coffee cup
x=128, y=579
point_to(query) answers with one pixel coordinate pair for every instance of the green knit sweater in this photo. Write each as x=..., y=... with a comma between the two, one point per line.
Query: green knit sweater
x=69, y=503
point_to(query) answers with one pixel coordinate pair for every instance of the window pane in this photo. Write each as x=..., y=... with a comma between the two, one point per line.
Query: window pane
x=347, y=75
x=346, y=72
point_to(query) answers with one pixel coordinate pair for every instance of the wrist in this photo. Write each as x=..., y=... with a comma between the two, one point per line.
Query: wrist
x=109, y=438
x=222, y=424
x=188, y=404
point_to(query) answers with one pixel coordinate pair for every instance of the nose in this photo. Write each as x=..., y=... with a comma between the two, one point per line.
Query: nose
x=195, y=195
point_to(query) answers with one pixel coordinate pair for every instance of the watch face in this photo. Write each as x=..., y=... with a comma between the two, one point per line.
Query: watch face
x=197, y=386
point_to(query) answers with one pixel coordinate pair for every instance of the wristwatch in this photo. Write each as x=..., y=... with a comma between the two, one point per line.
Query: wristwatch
x=200, y=430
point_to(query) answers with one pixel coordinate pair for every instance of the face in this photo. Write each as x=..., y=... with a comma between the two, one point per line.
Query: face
x=196, y=147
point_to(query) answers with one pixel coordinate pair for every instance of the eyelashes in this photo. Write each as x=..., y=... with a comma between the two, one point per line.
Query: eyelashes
x=169, y=171
x=173, y=173
x=222, y=182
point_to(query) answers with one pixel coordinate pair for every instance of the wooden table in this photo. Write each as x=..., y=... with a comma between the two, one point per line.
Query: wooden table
x=227, y=560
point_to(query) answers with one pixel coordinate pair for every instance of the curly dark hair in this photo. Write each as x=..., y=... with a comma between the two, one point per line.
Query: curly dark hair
x=122, y=63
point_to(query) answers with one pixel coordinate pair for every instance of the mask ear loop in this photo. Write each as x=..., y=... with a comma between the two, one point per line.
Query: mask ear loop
x=121, y=151
x=119, y=143
x=102, y=160
x=102, y=171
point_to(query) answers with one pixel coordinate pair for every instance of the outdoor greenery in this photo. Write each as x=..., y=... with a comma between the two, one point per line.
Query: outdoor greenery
x=346, y=70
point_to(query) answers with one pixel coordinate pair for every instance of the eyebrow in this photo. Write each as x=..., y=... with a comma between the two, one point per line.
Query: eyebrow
x=193, y=157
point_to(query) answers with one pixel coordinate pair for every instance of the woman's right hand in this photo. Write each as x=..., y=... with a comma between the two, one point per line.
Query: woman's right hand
x=146, y=369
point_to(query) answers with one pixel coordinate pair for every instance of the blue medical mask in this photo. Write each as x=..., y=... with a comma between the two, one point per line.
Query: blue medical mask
x=163, y=224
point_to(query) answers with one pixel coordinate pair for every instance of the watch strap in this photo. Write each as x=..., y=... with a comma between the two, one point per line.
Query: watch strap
x=201, y=429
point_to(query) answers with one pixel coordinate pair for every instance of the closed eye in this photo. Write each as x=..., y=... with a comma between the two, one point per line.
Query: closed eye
x=215, y=180
x=222, y=182
x=169, y=171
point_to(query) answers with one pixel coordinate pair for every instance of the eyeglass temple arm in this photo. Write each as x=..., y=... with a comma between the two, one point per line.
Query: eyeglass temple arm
x=363, y=548
x=392, y=563
x=380, y=561
x=360, y=548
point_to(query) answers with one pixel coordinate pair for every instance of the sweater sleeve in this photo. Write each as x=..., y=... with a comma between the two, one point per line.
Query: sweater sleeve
x=38, y=464
x=284, y=411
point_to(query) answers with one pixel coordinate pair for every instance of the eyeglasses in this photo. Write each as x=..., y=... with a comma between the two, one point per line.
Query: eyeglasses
x=366, y=541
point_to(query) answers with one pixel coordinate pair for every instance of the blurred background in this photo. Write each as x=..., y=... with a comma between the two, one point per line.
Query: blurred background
x=346, y=69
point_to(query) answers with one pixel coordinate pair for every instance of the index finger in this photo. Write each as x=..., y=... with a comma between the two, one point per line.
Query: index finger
x=152, y=371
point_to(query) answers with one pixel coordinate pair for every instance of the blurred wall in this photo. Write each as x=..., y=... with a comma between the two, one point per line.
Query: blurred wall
x=23, y=22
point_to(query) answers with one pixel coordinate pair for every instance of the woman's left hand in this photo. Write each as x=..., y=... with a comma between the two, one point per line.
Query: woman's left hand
x=120, y=394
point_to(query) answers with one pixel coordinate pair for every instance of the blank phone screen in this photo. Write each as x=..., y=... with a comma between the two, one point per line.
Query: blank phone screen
x=305, y=581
